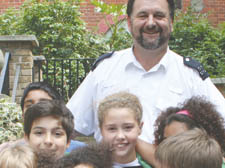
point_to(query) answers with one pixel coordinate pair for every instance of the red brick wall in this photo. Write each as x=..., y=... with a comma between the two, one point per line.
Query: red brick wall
x=90, y=16
x=4, y=4
x=216, y=7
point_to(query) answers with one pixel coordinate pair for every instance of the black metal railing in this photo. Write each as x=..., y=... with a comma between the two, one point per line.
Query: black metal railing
x=4, y=78
x=65, y=74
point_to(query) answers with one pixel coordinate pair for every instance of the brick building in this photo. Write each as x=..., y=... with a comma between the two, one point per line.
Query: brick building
x=216, y=8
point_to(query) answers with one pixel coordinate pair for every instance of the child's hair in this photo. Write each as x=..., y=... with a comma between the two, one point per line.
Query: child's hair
x=193, y=148
x=46, y=159
x=95, y=155
x=46, y=108
x=40, y=86
x=201, y=114
x=19, y=156
x=120, y=100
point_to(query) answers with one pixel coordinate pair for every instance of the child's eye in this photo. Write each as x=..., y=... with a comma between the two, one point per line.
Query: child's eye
x=38, y=133
x=128, y=127
x=58, y=133
x=111, y=129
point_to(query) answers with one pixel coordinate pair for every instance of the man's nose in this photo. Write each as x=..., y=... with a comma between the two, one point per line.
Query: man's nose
x=150, y=21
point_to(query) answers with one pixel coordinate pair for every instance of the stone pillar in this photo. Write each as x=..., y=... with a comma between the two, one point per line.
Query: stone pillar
x=20, y=47
x=1, y=60
x=220, y=84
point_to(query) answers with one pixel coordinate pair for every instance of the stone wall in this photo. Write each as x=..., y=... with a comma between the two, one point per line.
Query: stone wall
x=20, y=48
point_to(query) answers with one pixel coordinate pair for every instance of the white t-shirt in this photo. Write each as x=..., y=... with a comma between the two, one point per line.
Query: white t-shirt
x=131, y=164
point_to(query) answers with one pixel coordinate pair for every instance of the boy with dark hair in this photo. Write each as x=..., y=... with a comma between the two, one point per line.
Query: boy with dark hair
x=48, y=125
x=36, y=91
x=39, y=91
x=190, y=149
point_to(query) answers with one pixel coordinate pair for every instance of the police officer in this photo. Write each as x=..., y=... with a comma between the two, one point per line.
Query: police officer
x=150, y=70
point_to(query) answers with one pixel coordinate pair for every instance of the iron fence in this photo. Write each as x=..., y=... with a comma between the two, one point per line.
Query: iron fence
x=65, y=74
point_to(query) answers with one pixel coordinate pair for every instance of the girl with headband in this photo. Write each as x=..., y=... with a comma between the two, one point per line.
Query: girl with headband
x=196, y=112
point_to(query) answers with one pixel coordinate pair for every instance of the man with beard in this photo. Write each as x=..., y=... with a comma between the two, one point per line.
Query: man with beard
x=159, y=77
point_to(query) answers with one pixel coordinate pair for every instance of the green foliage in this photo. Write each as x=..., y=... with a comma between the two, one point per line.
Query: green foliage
x=120, y=38
x=11, y=127
x=194, y=36
x=58, y=27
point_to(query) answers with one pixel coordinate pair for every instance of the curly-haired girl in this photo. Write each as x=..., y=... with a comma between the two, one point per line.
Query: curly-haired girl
x=195, y=112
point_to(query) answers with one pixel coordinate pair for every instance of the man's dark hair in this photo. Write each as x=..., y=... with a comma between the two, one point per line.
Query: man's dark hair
x=55, y=108
x=95, y=155
x=130, y=5
x=40, y=86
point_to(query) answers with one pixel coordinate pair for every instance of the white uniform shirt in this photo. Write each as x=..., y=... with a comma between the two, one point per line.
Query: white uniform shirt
x=167, y=84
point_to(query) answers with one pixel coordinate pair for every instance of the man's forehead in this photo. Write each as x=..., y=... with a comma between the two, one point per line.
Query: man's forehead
x=150, y=4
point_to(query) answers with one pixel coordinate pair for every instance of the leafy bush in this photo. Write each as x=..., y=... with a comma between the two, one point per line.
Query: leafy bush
x=120, y=38
x=11, y=127
x=194, y=36
x=58, y=27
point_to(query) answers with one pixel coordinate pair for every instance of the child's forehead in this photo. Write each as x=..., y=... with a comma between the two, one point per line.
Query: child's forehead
x=120, y=111
x=48, y=122
x=37, y=93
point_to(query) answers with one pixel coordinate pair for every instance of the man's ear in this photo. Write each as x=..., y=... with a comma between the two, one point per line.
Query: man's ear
x=171, y=25
x=129, y=23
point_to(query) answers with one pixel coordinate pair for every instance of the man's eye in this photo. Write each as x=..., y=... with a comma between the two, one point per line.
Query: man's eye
x=159, y=16
x=143, y=16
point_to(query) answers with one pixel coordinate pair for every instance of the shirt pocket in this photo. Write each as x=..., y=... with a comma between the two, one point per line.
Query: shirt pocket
x=109, y=87
x=169, y=97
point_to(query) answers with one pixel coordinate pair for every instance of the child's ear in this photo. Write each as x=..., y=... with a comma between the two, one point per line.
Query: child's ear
x=140, y=127
x=26, y=137
x=68, y=144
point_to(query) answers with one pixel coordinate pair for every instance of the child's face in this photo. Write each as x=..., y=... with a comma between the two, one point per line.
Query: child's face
x=33, y=97
x=120, y=130
x=46, y=134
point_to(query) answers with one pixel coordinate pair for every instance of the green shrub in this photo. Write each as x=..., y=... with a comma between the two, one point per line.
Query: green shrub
x=194, y=36
x=58, y=27
x=11, y=127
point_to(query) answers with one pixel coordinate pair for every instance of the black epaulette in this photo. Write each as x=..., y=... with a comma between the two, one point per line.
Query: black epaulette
x=188, y=61
x=99, y=59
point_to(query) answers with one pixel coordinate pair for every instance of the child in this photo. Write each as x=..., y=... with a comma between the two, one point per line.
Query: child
x=194, y=113
x=36, y=91
x=190, y=149
x=91, y=156
x=18, y=156
x=120, y=123
x=48, y=125
x=33, y=93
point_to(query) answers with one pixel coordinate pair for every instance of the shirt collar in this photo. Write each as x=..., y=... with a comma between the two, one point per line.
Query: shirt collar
x=132, y=61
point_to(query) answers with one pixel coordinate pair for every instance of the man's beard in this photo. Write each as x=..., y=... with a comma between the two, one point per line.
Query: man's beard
x=152, y=45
